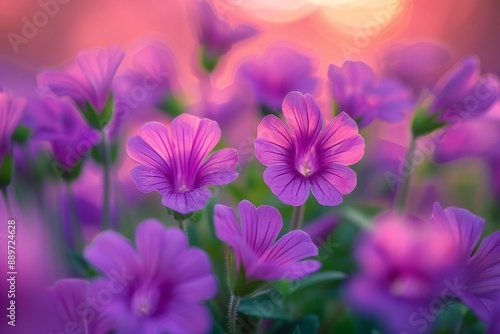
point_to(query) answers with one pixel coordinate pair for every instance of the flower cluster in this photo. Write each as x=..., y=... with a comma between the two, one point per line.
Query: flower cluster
x=85, y=151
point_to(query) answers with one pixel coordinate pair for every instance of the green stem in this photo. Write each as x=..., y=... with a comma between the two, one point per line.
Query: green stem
x=234, y=302
x=402, y=192
x=298, y=216
x=356, y=218
x=6, y=199
x=106, y=221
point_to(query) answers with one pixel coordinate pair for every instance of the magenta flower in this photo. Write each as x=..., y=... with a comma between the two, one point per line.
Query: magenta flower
x=254, y=246
x=478, y=284
x=58, y=122
x=87, y=79
x=216, y=35
x=11, y=111
x=270, y=76
x=174, y=161
x=463, y=92
x=158, y=288
x=149, y=81
x=404, y=270
x=303, y=155
x=357, y=91
x=72, y=304
x=418, y=65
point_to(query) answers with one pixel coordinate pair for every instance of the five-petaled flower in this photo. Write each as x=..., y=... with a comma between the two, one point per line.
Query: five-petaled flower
x=161, y=285
x=88, y=79
x=304, y=155
x=254, y=243
x=174, y=161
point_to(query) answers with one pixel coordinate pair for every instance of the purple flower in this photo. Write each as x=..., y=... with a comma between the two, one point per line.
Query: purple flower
x=321, y=228
x=357, y=91
x=72, y=303
x=158, y=288
x=418, y=65
x=57, y=121
x=215, y=35
x=403, y=267
x=87, y=79
x=174, y=161
x=478, y=283
x=276, y=73
x=254, y=243
x=151, y=79
x=11, y=111
x=303, y=154
x=463, y=92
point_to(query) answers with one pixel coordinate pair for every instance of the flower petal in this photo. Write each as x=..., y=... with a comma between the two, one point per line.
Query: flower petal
x=219, y=168
x=274, y=143
x=331, y=182
x=158, y=246
x=226, y=225
x=287, y=184
x=465, y=226
x=141, y=152
x=148, y=179
x=340, y=142
x=260, y=226
x=186, y=202
x=303, y=116
x=481, y=279
x=193, y=272
x=194, y=138
x=112, y=254
x=303, y=268
x=185, y=318
x=293, y=246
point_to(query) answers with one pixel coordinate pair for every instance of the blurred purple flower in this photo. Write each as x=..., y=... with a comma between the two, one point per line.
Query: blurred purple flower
x=215, y=35
x=276, y=73
x=87, y=79
x=303, y=154
x=494, y=325
x=162, y=285
x=321, y=228
x=149, y=80
x=174, y=161
x=463, y=93
x=57, y=121
x=418, y=65
x=357, y=91
x=478, y=284
x=403, y=267
x=72, y=303
x=253, y=242
x=11, y=111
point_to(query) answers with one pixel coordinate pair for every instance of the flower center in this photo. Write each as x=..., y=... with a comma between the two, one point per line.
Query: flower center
x=306, y=163
x=183, y=188
x=145, y=301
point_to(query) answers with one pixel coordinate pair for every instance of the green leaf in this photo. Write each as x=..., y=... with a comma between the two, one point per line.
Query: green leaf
x=21, y=134
x=321, y=277
x=308, y=324
x=6, y=170
x=208, y=62
x=81, y=265
x=172, y=106
x=217, y=329
x=107, y=112
x=90, y=114
x=424, y=123
x=265, y=306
